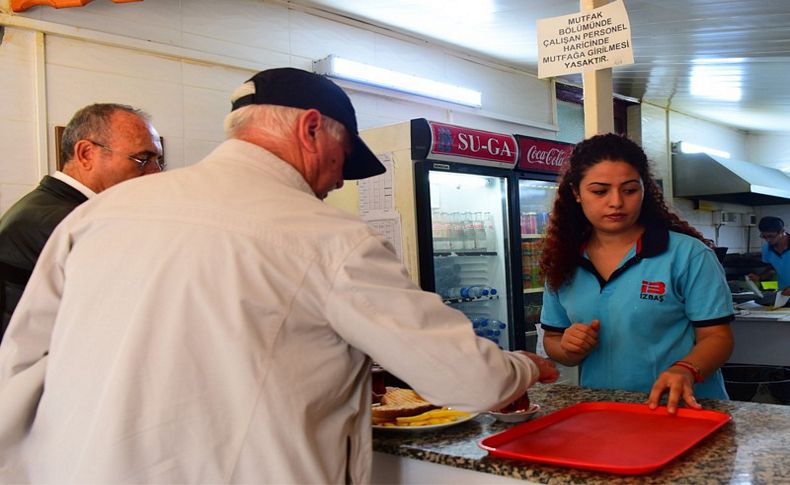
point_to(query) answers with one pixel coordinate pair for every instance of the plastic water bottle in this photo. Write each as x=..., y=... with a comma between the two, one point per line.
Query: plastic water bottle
x=469, y=231
x=477, y=291
x=490, y=229
x=456, y=292
x=500, y=331
x=481, y=241
x=481, y=290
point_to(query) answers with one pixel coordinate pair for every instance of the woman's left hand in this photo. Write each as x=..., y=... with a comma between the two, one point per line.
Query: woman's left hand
x=680, y=384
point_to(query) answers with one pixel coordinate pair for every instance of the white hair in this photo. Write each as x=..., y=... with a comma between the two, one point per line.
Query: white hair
x=273, y=120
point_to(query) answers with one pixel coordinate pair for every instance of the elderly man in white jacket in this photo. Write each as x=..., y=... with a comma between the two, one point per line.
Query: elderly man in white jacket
x=216, y=323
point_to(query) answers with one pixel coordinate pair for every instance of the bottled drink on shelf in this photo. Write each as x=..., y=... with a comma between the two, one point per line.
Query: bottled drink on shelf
x=456, y=233
x=439, y=229
x=543, y=221
x=492, y=329
x=447, y=273
x=490, y=229
x=529, y=223
x=476, y=291
x=469, y=231
x=481, y=241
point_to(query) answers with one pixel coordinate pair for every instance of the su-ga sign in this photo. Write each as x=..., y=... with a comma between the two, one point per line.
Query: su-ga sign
x=451, y=143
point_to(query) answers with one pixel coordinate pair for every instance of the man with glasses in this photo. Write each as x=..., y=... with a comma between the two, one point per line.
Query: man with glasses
x=775, y=252
x=216, y=324
x=102, y=145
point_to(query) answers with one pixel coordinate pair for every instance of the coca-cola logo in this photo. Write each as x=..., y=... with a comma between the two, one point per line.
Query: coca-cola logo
x=553, y=157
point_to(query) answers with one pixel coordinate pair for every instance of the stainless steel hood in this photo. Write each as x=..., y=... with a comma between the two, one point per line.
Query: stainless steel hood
x=701, y=176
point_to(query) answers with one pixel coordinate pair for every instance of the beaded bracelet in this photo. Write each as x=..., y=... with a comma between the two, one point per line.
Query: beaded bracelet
x=691, y=368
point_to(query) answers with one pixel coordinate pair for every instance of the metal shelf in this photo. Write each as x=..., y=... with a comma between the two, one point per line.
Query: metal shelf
x=465, y=300
x=444, y=254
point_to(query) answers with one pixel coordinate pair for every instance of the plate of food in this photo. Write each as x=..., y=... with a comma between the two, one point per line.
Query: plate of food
x=404, y=410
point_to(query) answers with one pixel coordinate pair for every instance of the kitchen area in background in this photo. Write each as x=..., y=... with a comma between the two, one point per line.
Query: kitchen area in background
x=725, y=199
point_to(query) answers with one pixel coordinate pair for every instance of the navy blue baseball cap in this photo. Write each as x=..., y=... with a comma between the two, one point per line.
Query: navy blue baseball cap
x=297, y=88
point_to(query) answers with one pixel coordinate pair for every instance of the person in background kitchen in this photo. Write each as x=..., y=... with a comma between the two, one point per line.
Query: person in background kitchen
x=633, y=294
x=102, y=145
x=216, y=324
x=775, y=253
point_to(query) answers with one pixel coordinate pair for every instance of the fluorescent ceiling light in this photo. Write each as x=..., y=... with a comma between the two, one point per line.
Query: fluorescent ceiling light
x=717, y=78
x=340, y=68
x=687, y=147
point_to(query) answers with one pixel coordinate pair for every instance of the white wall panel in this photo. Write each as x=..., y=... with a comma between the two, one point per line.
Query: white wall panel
x=204, y=112
x=770, y=149
x=238, y=28
x=17, y=96
x=92, y=57
x=222, y=79
x=17, y=152
x=18, y=167
x=695, y=130
x=68, y=91
x=261, y=56
x=158, y=21
x=314, y=38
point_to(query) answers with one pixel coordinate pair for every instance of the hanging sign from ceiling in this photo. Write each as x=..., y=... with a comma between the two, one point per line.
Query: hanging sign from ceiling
x=585, y=41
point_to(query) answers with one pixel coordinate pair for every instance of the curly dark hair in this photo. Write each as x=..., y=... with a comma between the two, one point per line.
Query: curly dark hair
x=568, y=227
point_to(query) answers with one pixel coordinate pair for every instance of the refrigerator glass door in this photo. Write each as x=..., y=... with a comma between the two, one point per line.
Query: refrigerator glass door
x=469, y=227
x=535, y=201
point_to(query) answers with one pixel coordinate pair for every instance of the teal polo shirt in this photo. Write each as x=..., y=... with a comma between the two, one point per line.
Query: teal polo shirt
x=780, y=263
x=668, y=284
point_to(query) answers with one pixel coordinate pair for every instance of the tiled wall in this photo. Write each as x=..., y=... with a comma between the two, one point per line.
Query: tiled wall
x=181, y=60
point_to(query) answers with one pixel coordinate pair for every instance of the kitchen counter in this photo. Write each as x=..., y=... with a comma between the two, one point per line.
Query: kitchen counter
x=754, y=448
x=761, y=337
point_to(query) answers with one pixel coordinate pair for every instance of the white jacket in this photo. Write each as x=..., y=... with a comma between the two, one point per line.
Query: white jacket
x=213, y=324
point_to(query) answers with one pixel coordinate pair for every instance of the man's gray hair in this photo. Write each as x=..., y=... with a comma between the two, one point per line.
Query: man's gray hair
x=93, y=123
x=273, y=120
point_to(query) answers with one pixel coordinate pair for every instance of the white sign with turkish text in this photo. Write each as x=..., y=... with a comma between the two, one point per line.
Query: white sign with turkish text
x=585, y=41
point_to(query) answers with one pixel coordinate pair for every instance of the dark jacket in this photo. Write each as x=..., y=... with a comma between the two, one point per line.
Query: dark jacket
x=24, y=229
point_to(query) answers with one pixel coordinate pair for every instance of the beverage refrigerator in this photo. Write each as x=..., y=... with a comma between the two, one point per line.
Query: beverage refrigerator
x=472, y=206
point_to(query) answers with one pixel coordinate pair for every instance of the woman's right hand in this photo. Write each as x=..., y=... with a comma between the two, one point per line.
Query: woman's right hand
x=580, y=339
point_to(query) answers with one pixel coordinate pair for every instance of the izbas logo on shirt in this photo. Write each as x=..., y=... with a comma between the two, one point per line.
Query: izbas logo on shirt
x=653, y=290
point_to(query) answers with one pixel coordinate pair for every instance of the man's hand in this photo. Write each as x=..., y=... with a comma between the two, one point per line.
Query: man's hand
x=548, y=371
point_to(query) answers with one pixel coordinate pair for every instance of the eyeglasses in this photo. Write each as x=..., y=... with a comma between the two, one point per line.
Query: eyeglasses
x=768, y=235
x=159, y=161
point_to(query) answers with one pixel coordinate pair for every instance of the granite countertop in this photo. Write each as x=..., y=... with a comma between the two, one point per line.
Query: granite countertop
x=753, y=448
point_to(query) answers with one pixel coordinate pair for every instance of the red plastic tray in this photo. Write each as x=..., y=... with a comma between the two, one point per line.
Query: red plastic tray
x=628, y=439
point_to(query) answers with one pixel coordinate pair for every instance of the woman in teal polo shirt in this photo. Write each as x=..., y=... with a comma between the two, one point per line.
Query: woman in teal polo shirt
x=633, y=294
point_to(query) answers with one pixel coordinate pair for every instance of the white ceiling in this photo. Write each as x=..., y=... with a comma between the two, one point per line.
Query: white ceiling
x=744, y=43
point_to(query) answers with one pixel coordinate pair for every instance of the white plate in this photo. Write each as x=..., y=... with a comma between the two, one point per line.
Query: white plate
x=517, y=417
x=427, y=427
